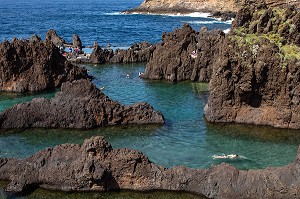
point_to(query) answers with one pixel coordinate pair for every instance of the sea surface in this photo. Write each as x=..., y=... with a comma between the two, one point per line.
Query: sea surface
x=185, y=139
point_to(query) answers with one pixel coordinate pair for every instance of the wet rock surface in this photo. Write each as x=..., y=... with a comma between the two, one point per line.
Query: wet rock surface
x=96, y=166
x=256, y=79
x=79, y=105
x=34, y=65
x=185, y=54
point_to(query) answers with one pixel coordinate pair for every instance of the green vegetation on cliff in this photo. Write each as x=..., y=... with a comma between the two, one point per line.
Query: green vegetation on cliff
x=277, y=26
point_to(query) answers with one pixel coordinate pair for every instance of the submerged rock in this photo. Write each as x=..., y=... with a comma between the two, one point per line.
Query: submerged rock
x=96, y=166
x=256, y=78
x=34, y=65
x=79, y=105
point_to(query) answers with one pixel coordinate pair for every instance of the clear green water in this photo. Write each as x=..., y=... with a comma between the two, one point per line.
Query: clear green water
x=185, y=139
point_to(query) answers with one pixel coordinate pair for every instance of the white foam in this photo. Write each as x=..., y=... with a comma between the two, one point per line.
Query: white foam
x=202, y=22
x=193, y=14
x=198, y=14
x=114, y=13
x=226, y=30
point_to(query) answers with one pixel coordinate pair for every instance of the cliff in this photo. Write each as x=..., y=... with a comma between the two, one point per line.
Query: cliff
x=96, y=166
x=256, y=79
x=79, y=105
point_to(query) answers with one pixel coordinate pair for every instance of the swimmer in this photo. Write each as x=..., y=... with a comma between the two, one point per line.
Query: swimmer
x=230, y=156
x=140, y=74
x=127, y=76
x=102, y=88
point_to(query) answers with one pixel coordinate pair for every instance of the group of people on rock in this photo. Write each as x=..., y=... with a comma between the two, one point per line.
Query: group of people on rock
x=73, y=53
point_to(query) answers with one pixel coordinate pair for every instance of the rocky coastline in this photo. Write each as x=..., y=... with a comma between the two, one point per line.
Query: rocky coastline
x=79, y=105
x=252, y=70
x=96, y=166
x=225, y=10
x=34, y=65
x=255, y=80
x=220, y=9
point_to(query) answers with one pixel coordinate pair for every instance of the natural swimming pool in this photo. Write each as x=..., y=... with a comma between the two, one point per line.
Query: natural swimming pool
x=185, y=139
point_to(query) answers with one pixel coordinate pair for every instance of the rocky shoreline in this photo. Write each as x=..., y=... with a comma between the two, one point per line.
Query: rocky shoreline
x=225, y=10
x=34, y=65
x=96, y=166
x=252, y=70
x=79, y=105
x=254, y=78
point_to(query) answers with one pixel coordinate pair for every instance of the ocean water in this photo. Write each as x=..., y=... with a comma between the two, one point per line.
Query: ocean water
x=185, y=139
x=92, y=20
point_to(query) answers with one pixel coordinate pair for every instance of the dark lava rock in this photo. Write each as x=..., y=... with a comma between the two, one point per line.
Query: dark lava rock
x=96, y=166
x=79, y=105
x=139, y=52
x=185, y=54
x=99, y=55
x=256, y=79
x=52, y=36
x=34, y=65
x=77, y=42
x=225, y=16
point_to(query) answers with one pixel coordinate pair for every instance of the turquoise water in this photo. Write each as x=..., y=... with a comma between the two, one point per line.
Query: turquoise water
x=185, y=139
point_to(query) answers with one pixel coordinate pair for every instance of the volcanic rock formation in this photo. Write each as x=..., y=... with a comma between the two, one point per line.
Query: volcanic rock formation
x=52, y=36
x=256, y=79
x=139, y=52
x=185, y=54
x=96, y=166
x=79, y=105
x=99, y=55
x=34, y=65
x=77, y=42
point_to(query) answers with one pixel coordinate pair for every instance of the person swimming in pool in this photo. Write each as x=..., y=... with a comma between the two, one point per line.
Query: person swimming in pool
x=224, y=156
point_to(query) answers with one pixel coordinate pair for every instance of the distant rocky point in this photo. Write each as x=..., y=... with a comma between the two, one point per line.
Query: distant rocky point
x=79, y=105
x=96, y=166
x=225, y=8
